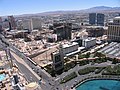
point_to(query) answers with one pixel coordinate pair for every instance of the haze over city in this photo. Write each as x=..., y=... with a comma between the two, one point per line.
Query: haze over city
x=18, y=7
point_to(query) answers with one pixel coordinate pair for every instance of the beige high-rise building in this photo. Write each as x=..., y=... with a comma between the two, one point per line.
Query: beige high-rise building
x=12, y=22
x=26, y=24
x=0, y=19
x=36, y=23
x=113, y=32
x=31, y=24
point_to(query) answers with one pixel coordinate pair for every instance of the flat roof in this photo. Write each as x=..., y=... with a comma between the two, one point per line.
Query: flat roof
x=70, y=44
x=89, y=39
x=117, y=17
x=95, y=26
x=75, y=52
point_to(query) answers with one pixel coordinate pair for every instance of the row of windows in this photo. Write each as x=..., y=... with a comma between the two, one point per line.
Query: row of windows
x=114, y=31
x=113, y=23
x=111, y=37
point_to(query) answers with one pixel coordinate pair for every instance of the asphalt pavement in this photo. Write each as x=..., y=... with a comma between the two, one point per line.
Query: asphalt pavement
x=25, y=69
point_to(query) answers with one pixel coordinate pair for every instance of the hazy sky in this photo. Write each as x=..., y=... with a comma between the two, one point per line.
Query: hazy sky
x=15, y=7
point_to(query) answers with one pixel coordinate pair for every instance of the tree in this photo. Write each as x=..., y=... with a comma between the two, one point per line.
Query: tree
x=87, y=55
x=114, y=61
x=99, y=54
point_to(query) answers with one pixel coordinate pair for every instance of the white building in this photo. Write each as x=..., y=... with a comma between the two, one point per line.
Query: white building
x=70, y=48
x=89, y=42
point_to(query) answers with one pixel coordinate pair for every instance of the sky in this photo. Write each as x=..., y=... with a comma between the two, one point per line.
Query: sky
x=18, y=7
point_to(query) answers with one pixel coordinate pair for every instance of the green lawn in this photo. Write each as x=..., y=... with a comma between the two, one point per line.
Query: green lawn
x=90, y=69
x=112, y=70
x=69, y=65
x=68, y=77
x=86, y=70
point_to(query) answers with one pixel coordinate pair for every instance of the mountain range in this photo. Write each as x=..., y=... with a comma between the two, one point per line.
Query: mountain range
x=98, y=9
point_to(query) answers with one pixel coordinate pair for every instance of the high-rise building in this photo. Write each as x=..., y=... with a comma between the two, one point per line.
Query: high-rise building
x=100, y=19
x=58, y=59
x=113, y=32
x=12, y=22
x=0, y=24
x=0, y=19
x=16, y=78
x=92, y=18
x=36, y=23
x=19, y=25
x=6, y=24
x=31, y=24
x=96, y=19
x=26, y=24
x=63, y=30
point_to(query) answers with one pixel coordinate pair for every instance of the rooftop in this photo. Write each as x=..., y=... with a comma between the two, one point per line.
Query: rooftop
x=69, y=44
x=117, y=17
x=95, y=26
x=89, y=39
x=32, y=86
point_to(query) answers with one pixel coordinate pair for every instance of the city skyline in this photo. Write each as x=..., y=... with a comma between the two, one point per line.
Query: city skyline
x=18, y=7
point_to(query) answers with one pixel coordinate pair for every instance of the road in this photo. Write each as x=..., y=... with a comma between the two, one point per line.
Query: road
x=29, y=74
x=80, y=77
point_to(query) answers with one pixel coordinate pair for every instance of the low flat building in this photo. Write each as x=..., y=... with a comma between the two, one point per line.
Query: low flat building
x=69, y=48
x=89, y=42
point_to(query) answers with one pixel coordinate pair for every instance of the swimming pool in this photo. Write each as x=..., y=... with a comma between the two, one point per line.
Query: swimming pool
x=2, y=77
x=100, y=85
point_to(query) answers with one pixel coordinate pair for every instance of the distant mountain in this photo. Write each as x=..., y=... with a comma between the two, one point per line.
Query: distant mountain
x=103, y=8
x=100, y=8
x=90, y=10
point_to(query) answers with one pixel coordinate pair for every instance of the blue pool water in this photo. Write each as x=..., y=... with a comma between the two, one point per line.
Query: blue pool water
x=2, y=77
x=100, y=85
